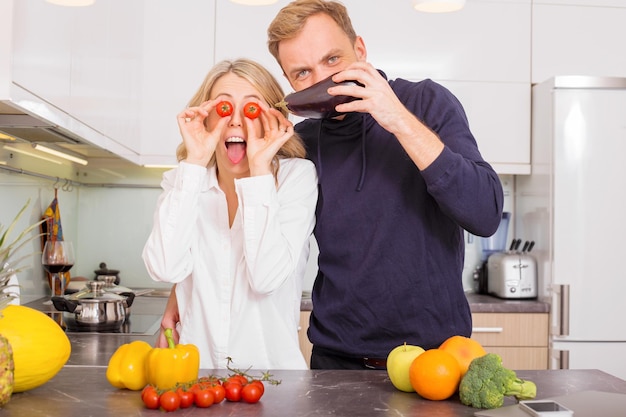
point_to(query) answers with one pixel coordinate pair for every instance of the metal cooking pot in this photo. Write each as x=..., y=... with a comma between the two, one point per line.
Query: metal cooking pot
x=93, y=309
x=104, y=271
x=110, y=286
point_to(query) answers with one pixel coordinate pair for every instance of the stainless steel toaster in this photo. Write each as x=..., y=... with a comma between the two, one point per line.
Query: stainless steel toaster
x=512, y=275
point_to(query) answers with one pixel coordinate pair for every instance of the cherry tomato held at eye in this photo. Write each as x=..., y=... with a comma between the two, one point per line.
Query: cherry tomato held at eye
x=251, y=110
x=224, y=108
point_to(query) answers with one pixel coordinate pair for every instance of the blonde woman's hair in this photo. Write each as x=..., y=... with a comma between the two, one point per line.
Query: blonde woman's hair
x=291, y=19
x=262, y=80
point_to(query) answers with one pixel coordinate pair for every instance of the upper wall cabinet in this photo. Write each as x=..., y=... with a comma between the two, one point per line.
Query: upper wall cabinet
x=241, y=32
x=85, y=62
x=589, y=40
x=485, y=41
x=178, y=51
x=481, y=53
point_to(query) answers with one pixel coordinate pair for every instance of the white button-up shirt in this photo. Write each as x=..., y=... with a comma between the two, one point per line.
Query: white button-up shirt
x=238, y=288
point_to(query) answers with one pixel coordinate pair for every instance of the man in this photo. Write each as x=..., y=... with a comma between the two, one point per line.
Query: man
x=400, y=176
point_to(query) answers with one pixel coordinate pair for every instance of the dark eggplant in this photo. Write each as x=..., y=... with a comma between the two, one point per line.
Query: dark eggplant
x=314, y=102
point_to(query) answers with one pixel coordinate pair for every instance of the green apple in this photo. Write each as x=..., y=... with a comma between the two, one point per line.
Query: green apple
x=399, y=361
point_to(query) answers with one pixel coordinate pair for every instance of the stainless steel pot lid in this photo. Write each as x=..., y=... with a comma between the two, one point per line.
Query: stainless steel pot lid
x=95, y=292
x=110, y=286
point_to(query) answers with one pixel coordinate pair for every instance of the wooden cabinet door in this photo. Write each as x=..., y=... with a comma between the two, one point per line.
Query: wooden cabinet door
x=521, y=339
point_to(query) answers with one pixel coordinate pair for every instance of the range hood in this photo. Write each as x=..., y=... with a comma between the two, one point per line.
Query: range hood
x=29, y=128
x=32, y=129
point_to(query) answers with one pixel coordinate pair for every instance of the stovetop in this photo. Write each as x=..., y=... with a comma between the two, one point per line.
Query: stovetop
x=142, y=321
x=138, y=324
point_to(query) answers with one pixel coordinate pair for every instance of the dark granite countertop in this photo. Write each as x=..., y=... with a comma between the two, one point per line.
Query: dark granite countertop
x=84, y=391
x=481, y=303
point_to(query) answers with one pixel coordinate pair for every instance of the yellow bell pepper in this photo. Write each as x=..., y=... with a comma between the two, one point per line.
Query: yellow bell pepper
x=166, y=367
x=127, y=366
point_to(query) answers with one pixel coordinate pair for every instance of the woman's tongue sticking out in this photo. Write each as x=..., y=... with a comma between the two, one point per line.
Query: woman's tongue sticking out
x=235, y=149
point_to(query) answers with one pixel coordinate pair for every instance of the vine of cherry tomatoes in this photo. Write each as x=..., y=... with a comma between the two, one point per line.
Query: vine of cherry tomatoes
x=205, y=392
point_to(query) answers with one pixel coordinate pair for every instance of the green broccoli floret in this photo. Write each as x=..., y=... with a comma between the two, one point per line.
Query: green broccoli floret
x=487, y=382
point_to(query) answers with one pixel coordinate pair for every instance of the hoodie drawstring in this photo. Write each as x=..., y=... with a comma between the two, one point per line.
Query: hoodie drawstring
x=363, y=158
x=319, y=154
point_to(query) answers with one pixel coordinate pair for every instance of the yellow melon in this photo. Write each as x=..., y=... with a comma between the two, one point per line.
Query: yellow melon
x=40, y=346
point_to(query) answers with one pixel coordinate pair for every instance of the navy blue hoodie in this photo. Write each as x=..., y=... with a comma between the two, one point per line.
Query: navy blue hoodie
x=391, y=237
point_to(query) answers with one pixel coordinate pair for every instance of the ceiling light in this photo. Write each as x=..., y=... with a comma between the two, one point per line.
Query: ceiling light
x=438, y=6
x=34, y=155
x=4, y=136
x=254, y=2
x=60, y=154
x=72, y=3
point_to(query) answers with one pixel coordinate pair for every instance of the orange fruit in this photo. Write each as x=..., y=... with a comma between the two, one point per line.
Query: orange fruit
x=435, y=374
x=464, y=349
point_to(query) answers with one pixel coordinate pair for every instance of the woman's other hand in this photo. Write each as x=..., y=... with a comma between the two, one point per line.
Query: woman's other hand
x=170, y=320
x=262, y=147
x=200, y=141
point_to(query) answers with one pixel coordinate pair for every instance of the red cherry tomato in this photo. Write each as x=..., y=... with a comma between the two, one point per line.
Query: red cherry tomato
x=224, y=108
x=251, y=393
x=219, y=393
x=150, y=397
x=233, y=391
x=204, y=398
x=169, y=401
x=251, y=110
x=186, y=397
x=259, y=384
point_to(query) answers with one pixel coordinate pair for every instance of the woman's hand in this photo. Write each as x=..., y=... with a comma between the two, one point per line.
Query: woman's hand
x=170, y=320
x=277, y=130
x=200, y=142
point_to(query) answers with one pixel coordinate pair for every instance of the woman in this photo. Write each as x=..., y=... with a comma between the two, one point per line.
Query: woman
x=231, y=227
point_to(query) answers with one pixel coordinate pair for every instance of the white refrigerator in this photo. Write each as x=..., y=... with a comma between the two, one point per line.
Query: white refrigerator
x=573, y=204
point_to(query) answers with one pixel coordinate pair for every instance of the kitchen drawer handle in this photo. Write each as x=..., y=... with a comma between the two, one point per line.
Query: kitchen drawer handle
x=487, y=329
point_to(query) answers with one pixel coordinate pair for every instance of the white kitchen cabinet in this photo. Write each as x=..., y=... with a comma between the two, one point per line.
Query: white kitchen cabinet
x=481, y=53
x=241, y=32
x=81, y=65
x=178, y=51
x=485, y=41
x=499, y=117
x=42, y=49
x=588, y=41
x=106, y=70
